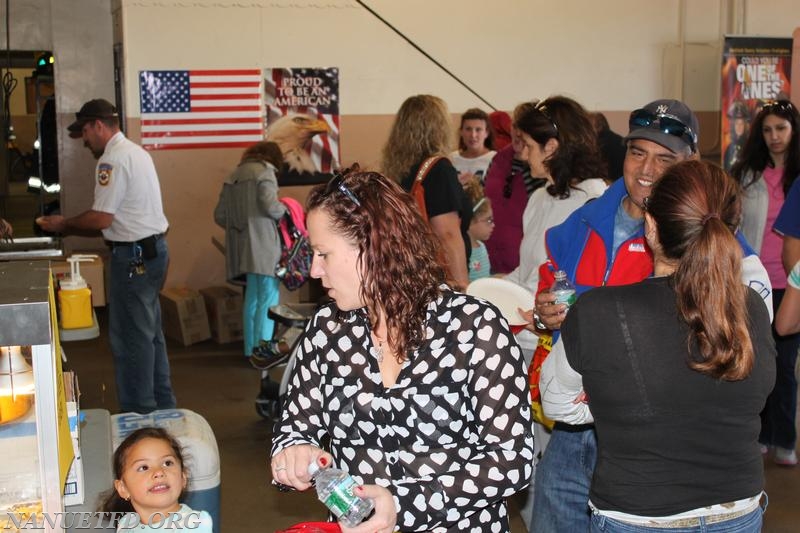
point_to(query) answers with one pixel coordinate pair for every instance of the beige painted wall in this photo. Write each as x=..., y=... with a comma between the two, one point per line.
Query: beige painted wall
x=611, y=56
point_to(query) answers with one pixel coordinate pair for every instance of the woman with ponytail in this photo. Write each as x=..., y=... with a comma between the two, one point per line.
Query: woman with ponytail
x=675, y=370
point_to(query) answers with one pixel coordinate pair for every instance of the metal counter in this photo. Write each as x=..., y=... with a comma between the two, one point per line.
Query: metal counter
x=30, y=248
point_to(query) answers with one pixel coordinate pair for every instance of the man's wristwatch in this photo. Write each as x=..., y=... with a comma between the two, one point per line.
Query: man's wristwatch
x=538, y=322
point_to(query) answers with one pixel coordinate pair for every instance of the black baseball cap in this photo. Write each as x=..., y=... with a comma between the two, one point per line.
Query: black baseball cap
x=669, y=123
x=91, y=110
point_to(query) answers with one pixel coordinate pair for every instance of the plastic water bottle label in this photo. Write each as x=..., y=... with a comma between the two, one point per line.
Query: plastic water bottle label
x=565, y=297
x=341, y=497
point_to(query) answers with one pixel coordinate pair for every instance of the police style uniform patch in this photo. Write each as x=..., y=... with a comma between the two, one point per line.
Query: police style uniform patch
x=104, y=171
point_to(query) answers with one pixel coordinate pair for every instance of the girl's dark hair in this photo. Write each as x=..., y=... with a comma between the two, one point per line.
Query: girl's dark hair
x=398, y=251
x=264, y=151
x=755, y=154
x=475, y=113
x=577, y=157
x=697, y=208
x=112, y=502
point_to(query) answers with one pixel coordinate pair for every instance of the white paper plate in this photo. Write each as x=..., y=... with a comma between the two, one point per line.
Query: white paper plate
x=506, y=295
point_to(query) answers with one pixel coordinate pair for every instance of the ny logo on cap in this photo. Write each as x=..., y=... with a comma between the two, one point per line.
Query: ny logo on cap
x=662, y=109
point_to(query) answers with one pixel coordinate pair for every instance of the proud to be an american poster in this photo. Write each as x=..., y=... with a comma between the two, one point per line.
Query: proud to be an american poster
x=302, y=116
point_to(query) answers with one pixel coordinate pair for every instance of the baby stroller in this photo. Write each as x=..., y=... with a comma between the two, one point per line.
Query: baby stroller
x=278, y=353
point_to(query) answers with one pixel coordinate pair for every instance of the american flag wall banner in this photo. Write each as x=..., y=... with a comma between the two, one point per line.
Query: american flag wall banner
x=201, y=108
x=306, y=91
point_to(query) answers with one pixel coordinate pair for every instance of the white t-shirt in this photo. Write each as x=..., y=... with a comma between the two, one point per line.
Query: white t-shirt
x=476, y=165
x=184, y=519
x=126, y=185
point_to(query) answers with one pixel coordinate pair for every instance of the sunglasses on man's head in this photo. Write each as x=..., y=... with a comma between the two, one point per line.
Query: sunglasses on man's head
x=665, y=123
x=337, y=184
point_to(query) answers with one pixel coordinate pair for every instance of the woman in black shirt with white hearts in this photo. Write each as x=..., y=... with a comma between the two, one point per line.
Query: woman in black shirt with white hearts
x=420, y=389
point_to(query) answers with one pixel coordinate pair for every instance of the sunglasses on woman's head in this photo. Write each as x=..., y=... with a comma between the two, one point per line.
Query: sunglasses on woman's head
x=337, y=184
x=778, y=105
x=541, y=107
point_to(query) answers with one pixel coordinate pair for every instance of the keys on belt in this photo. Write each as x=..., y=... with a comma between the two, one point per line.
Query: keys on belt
x=136, y=265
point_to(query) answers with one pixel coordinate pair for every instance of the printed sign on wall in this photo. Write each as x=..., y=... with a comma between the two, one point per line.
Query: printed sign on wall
x=302, y=117
x=201, y=108
x=755, y=71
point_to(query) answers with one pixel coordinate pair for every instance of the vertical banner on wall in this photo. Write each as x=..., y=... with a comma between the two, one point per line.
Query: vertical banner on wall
x=201, y=108
x=303, y=118
x=755, y=70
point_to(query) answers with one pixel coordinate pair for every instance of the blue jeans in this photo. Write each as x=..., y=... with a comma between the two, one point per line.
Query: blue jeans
x=749, y=523
x=563, y=478
x=778, y=416
x=261, y=293
x=141, y=366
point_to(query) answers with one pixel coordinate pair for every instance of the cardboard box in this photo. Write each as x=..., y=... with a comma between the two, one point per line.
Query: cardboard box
x=224, y=308
x=183, y=314
x=92, y=271
x=75, y=485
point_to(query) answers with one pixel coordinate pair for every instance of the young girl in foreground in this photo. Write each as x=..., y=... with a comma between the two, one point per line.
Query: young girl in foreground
x=149, y=477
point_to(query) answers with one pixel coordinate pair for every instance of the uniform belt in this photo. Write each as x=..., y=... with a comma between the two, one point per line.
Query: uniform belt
x=140, y=242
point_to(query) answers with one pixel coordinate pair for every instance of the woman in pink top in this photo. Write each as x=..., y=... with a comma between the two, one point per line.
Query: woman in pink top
x=768, y=165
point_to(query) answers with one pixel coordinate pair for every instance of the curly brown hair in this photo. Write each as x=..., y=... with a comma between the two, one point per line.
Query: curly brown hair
x=422, y=128
x=398, y=258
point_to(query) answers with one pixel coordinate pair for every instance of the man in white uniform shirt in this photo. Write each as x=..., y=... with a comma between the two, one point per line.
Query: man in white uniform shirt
x=127, y=209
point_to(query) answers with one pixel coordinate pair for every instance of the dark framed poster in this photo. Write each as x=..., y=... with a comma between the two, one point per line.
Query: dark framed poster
x=302, y=117
x=755, y=70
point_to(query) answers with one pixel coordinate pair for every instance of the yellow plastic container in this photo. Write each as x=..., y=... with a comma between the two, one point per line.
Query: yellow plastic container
x=75, y=298
x=76, y=308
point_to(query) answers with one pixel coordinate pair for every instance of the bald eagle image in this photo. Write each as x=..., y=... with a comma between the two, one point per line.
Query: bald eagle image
x=293, y=133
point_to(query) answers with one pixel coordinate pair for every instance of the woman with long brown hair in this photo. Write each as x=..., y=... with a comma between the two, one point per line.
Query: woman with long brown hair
x=420, y=389
x=676, y=369
x=420, y=133
x=768, y=166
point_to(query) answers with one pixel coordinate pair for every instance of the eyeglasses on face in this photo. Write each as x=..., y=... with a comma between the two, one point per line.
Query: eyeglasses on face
x=487, y=220
x=337, y=183
x=665, y=123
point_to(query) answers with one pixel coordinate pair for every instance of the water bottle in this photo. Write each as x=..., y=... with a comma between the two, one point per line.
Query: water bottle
x=563, y=290
x=335, y=490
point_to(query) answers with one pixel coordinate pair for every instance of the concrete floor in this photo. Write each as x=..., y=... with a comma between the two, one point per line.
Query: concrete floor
x=216, y=382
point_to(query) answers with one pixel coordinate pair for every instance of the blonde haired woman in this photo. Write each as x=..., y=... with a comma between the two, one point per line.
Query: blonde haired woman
x=422, y=130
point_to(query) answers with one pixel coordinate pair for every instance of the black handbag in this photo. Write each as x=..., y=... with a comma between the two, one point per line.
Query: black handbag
x=294, y=265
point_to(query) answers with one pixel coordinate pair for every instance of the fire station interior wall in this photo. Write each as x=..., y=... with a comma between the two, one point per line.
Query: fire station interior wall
x=611, y=56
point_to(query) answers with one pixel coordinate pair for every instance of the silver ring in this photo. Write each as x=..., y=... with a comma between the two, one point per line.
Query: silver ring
x=277, y=468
